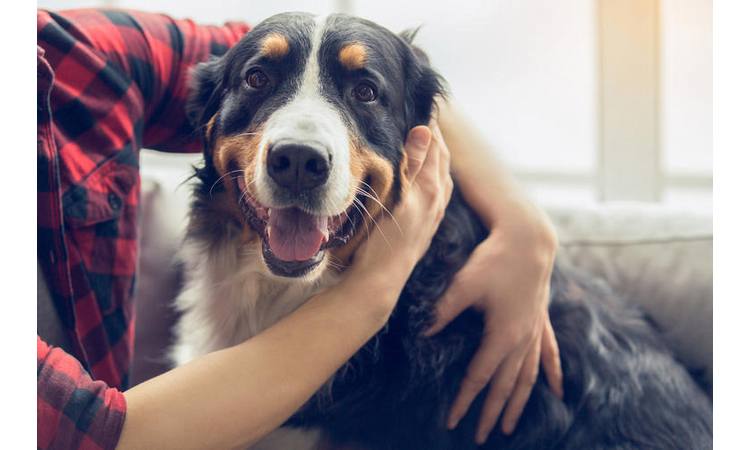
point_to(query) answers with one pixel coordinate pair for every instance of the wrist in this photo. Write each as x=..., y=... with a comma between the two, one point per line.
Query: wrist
x=379, y=287
x=522, y=223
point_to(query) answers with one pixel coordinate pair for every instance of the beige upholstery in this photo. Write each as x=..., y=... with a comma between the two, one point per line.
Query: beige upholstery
x=659, y=258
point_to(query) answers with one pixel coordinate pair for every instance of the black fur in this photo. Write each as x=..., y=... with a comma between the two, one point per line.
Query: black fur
x=623, y=388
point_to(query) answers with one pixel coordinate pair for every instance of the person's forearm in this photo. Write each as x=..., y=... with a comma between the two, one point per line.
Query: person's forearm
x=485, y=181
x=235, y=396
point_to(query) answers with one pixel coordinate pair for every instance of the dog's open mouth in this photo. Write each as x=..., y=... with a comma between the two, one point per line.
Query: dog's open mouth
x=293, y=240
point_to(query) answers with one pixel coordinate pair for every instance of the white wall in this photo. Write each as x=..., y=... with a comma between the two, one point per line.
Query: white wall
x=526, y=72
x=522, y=69
x=687, y=82
x=687, y=101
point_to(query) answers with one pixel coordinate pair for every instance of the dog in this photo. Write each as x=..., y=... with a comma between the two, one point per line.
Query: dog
x=303, y=123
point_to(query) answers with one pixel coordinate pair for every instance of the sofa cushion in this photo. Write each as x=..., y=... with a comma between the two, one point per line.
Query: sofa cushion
x=660, y=258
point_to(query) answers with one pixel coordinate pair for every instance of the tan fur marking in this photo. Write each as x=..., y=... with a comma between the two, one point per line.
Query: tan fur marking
x=353, y=56
x=241, y=150
x=274, y=46
x=367, y=164
x=210, y=126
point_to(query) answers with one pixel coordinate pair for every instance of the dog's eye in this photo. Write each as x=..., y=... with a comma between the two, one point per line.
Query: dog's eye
x=256, y=79
x=365, y=92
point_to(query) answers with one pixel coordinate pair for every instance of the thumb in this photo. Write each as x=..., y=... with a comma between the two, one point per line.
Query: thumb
x=417, y=144
x=454, y=301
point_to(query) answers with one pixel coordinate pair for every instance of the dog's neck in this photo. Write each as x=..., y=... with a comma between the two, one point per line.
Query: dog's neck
x=227, y=284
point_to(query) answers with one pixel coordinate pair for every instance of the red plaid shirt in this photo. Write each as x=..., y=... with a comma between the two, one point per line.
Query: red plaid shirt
x=108, y=83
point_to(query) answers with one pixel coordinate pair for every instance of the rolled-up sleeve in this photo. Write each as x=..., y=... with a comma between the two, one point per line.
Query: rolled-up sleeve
x=156, y=52
x=74, y=411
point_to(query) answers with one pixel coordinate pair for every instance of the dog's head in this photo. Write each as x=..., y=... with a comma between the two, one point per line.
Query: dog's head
x=304, y=122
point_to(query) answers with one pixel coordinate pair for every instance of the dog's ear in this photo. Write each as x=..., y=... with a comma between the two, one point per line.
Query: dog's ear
x=423, y=84
x=206, y=88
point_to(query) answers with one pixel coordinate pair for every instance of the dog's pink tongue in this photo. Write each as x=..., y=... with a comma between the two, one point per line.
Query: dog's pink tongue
x=294, y=235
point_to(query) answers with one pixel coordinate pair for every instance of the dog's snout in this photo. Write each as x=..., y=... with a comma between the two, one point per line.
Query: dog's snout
x=298, y=166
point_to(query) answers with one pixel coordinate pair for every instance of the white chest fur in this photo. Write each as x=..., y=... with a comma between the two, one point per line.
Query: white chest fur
x=229, y=297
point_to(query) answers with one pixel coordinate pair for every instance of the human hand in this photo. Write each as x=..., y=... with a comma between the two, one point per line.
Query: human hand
x=403, y=237
x=507, y=277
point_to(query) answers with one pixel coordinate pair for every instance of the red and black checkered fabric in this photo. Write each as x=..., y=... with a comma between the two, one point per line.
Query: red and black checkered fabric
x=74, y=411
x=108, y=83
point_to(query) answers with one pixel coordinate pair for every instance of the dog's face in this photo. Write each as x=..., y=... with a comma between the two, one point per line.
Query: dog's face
x=304, y=122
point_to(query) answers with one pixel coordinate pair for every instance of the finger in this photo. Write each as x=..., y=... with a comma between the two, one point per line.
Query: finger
x=502, y=386
x=524, y=384
x=454, y=301
x=416, y=148
x=437, y=136
x=551, y=360
x=445, y=162
x=480, y=371
x=431, y=162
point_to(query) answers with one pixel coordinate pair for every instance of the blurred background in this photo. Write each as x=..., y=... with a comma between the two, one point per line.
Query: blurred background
x=602, y=108
x=588, y=101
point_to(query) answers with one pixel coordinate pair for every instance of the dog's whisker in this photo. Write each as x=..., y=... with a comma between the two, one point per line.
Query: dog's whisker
x=375, y=223
x=364, y=219
x=370, y=188
x=368, y=195
x=211, y=189
x=336, y=262
x=386, y=210
x=370, y=192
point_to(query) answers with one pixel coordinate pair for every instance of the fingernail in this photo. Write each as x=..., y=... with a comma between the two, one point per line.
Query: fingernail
x=509, y=429
x=481, y=438
x=452, y=422
x=419, y=137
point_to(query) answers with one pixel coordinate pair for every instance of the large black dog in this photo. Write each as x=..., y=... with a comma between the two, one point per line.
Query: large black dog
x=304, y=122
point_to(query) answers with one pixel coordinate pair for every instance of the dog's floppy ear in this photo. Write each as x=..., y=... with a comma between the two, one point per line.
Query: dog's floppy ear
x=423, y=84
x=206, y=88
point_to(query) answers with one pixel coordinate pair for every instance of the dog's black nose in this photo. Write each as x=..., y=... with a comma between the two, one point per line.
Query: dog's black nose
x=296, y=166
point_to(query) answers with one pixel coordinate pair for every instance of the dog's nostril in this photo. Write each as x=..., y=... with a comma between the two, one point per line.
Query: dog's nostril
x=316, y=166
x=280, y=163
x=296, y=166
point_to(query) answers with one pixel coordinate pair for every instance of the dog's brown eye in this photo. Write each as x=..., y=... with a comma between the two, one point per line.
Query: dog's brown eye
x=364, y=92
x=256, y=79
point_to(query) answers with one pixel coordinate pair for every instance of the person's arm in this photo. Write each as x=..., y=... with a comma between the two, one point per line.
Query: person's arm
x=519, y=253
x=233, y=397
x=154, y=54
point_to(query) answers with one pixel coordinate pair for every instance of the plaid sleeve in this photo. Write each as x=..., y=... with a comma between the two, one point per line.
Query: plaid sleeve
x=74, y=411
x=157, y=52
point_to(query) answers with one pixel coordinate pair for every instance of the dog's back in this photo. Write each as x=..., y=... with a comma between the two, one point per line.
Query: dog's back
x=623, y=388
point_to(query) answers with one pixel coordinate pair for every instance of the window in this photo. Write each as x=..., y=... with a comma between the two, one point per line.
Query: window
x=587, y=100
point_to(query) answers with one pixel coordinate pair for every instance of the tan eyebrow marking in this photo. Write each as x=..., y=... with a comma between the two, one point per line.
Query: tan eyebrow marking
x=353, y=56
x=274, y=46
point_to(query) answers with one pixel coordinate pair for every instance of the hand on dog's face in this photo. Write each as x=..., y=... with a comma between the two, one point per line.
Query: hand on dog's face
x=410, y=230
x=303, y=123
